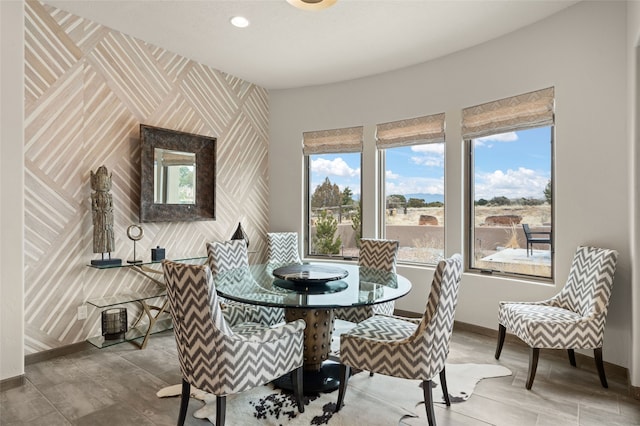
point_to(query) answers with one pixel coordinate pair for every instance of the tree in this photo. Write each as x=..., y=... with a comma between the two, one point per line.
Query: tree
x=323, y=240
x=482, y=202
x=186, y=176
x=415, y=202
x=500, y=201
x=347, y=197
x=326, y=195
x=396, y=200
x=356, y=224
x=547, y=192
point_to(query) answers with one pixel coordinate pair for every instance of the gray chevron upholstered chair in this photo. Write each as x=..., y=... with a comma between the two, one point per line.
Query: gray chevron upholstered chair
x=282, y=249
x=220, y=359
x=226, y=256
x=573, y=319
x=378, y=255
x=409, y=348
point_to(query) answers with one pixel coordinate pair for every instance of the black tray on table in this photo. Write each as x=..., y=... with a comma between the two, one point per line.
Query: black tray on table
x=311, y=278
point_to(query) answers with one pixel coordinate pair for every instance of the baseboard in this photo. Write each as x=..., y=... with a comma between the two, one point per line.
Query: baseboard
x=15, y=382
x=634, y=391
x=12, y=382
x=54, y=353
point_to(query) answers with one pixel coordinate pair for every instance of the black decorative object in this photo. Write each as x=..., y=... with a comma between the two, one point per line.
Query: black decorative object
x=240, y=234
x=157, y=254
x=114, y=323
x=311, y=279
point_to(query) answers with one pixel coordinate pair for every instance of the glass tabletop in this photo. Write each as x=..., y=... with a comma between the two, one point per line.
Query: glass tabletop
x=126, y=297
x=362, y=286
x=146, y=261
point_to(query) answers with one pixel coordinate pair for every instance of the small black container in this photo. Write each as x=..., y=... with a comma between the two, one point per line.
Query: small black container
x=114, y=323
x=157, y=254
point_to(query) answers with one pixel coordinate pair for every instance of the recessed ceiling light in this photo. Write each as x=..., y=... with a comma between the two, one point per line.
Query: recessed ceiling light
x=311, y=4
x=240, y=22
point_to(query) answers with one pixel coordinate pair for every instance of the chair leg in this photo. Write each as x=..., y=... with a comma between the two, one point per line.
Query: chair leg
x=597, y=352
x=296, y=379
x=443, y=383
x=533, y=365
x=184, y=401
x=502, y=331
x=428, y=402
x=221, y=408
x=344, y=379
x=572, y=357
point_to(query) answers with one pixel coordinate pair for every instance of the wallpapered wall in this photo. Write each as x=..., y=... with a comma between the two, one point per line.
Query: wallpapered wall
x=87, y=89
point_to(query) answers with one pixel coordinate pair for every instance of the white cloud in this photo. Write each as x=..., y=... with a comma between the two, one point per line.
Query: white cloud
x=435, y=148
x=502, y=137
x=416, y=185
x=335, y=167
x=429, y=161
x=519, y=183
x=431, y=155
x=390, y=175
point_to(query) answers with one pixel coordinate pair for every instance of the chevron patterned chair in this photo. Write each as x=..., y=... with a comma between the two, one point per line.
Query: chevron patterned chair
x=220, y=359
x=226, y=256
x=409, y=348
x=377, y=255
x=282, y=249
x=573, y=319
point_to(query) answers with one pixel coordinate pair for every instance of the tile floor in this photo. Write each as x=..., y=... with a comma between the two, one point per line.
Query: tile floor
x=117, y=386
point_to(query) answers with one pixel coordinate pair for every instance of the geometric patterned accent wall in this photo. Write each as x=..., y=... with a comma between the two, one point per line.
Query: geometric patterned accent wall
x=87, y=90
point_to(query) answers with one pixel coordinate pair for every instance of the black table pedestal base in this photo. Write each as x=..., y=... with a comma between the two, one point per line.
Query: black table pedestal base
x=327, y=379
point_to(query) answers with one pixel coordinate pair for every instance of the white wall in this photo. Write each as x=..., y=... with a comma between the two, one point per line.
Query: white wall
x=633, y=48
x=11, y=195
x=580, y=51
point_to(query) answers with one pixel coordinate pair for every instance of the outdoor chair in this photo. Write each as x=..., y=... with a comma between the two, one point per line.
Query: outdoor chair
x=220, y=359
x=545, y=237
x=573, y=319
x=409, y=348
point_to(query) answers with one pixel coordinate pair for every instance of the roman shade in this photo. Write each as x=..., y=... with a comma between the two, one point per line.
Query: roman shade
x=526, y=111
x=411, y=131
x=348, y=139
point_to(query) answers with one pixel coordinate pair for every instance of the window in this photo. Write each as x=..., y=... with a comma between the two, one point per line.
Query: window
x=412, y=158
x=510, y=174
x=333, y=160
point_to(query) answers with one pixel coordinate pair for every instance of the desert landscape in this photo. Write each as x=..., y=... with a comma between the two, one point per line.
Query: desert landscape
x=533, y=215
x=497, y=228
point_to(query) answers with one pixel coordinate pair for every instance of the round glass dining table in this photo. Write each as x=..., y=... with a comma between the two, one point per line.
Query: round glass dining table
x=304, y=295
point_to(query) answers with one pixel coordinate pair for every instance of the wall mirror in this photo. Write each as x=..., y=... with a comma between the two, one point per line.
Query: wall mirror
x=178, y=174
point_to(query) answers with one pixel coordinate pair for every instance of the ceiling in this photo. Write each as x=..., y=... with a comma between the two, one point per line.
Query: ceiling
x=285, y=47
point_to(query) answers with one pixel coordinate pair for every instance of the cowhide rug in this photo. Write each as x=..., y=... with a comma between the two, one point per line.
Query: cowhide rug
x=377, y=400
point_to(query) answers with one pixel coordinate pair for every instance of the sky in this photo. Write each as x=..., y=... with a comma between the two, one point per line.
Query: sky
x=514, y=165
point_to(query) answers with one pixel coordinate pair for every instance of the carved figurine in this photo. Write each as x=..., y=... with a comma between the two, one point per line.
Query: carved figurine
x=102, y=213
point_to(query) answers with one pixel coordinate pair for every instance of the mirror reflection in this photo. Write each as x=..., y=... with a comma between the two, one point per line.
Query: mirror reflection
x=174, y=177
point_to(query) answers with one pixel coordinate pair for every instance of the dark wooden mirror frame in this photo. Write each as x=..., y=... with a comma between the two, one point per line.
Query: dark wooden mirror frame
x=205, y=149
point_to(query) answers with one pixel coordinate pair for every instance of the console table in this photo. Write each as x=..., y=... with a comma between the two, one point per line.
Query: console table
x=157, y=321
